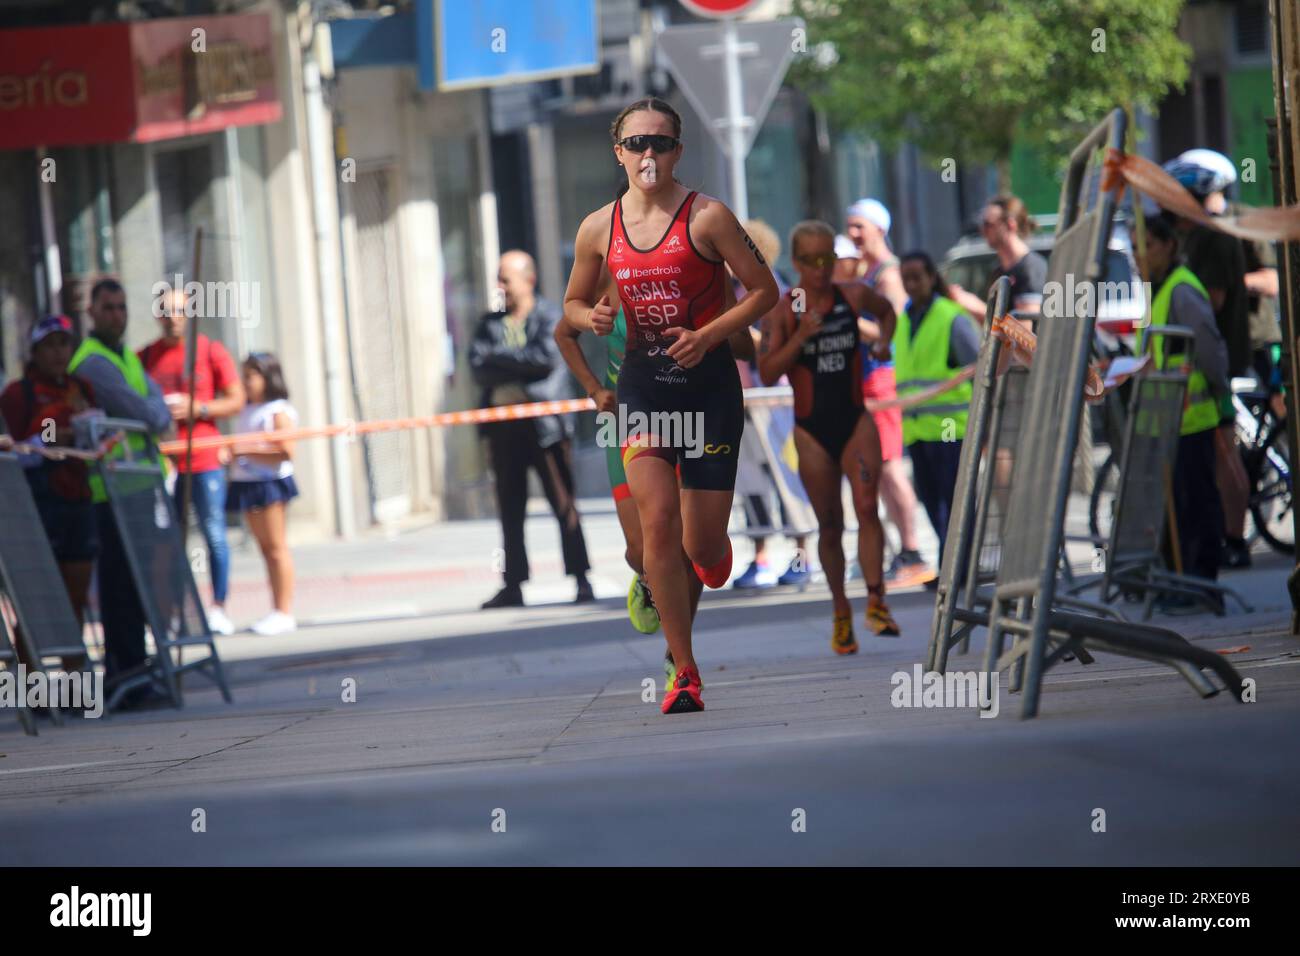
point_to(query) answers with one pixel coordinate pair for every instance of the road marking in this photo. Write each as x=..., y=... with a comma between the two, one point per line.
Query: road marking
x=64, y=766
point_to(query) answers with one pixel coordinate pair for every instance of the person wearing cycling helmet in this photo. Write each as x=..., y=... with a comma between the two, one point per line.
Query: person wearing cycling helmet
x=1180, y=300
x=1219, y=261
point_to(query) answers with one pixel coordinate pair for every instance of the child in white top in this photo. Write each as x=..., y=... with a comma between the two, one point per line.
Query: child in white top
x=261, y=482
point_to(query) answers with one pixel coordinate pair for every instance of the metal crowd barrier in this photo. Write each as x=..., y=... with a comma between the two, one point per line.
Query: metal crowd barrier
x=974, y=548
x=960, y=566
x=9, y=658
x=1134, y=552
x=151, y=535
x=1025, y=601
x=30, y=579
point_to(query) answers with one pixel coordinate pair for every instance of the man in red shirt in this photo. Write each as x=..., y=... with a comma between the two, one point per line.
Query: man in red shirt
x=218, y=393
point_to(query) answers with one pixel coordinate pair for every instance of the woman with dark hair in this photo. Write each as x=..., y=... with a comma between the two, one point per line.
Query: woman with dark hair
x=261, y=482
x=668, y=248
x=1181, y=299
x=934, y=341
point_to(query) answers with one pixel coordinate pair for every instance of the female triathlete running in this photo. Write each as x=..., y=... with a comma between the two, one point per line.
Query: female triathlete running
x=640, y=602
x=812, y=336
x=667, y=246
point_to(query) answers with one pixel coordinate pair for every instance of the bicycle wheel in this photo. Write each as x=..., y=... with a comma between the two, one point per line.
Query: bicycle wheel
x=1271, y=488
x=1101, y=503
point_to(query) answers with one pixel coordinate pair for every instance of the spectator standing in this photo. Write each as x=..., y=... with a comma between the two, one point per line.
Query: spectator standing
x=1006, y=227
x=1218, y=260
x=218, y=393
x=515, y=359
x=934, y=341
x=122, y=389
x=38, y=410
x=262, y=482
x=1181, y=300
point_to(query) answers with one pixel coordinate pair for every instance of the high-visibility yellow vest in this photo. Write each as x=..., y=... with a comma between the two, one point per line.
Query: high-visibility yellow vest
x=128, y=363
x=1201, y=411
x=922, y=362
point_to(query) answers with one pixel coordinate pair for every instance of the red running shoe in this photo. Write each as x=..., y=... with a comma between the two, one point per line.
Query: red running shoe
x=684, y=698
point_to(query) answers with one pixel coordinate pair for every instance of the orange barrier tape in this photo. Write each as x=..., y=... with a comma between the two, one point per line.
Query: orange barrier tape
x=1271, y=223
x=1023, y=343
x=476, y=416
x=473, y=416
x=924, y=395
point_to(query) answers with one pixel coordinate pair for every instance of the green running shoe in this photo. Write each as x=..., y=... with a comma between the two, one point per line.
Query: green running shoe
x=641, y=607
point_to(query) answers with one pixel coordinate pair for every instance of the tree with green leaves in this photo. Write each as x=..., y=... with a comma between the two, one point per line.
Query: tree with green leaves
x=967, y=79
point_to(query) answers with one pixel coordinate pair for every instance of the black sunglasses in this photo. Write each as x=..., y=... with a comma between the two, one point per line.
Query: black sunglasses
x=658, y=143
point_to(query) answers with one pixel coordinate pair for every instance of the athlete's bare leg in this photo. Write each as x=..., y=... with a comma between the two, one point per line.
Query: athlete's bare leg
x=631, y=525
x=705, y=515
x=900, y=501
x=860, y=461
x=821, y=477
x=659, y=507
x=696, y=585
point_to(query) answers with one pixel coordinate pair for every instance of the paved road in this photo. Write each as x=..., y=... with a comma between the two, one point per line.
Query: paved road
x=538, y=713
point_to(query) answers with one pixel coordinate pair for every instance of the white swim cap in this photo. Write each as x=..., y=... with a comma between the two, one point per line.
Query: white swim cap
x=873, y=211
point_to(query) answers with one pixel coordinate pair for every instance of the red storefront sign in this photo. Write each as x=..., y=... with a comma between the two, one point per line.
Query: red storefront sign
x=135, y=82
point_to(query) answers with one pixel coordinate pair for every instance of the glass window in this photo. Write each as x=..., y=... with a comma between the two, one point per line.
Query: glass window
x=456, y=189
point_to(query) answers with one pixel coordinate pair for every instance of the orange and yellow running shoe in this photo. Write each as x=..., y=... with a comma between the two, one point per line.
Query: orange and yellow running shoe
x=842, y=639
x=684, y=698
x=879, y=619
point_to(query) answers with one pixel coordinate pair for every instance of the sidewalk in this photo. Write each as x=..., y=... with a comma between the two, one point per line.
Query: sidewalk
x=430, y=581
x=454, y=566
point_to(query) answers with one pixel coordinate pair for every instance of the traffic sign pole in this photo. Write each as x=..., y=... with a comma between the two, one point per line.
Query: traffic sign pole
x=736, y=120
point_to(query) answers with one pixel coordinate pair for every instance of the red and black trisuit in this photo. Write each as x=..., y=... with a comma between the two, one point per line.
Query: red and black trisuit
x=673, y=284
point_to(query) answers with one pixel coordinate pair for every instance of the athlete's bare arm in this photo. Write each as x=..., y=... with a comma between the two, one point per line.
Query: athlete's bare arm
x=718, y=235
x=889, y=283
x=742, y=342
x=584, y=306
x=863, y=298
x=784, y=334
x=742, y=345
x=566, y=338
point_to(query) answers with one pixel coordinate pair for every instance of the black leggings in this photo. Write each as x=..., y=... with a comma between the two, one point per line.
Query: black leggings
x=934, y=475
x=1197, y=505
